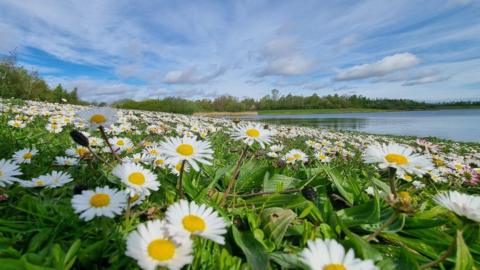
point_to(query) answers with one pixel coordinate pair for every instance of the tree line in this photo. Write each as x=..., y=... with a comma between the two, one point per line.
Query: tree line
x=18, y=82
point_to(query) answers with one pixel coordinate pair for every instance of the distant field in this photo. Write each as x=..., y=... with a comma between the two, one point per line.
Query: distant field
x=320, y=111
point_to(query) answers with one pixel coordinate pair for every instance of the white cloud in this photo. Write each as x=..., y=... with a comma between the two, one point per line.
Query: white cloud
x=191, y=75
x=284, y=58
x=387, y=65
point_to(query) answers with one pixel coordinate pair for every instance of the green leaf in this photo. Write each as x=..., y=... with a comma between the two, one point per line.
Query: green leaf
x=362, y=247
x=406, y=261
x=368, y=213
x=271, y=184
x=11, y=264
x=464, y=259
x=70, y=257
x=252, y=249
x=277, y=222
x=342, y=185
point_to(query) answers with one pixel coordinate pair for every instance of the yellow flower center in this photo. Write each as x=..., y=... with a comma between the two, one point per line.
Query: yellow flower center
x=100, y=200
x=134, y=198
x=405, y=197
x=161, y=249
x=193, y=223
x=82, y=151
x=396, y=159
x=291, y=158
x=40, y=183
x=27, y=155
x=253, y=132
x=178, y=167
x=334, y=266
x=136, y=178
x=407, y=177
x=98, y=119
x=1, y=172
x=120, y=142
x=159, y=162
x=153, y=152
x=185, y=149
x=297, y=156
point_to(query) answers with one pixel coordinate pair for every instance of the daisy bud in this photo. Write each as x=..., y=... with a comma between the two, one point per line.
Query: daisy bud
x=79, y=138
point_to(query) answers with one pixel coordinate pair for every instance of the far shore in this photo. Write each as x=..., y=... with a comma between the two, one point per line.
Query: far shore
x=314, y=111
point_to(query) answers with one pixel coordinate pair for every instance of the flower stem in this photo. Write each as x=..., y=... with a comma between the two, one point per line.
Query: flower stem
x=389, y=221
x=180, y=182
x=443, y=257
x=234, y=176
x=391, y=179
x=104, y=136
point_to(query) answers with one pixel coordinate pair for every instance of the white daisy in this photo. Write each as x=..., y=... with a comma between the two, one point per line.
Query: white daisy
x=121, y=144
x=330, y=255
x=295, y=155
x=57, y=179
x=8, y=171
x=188, y=149
x=24, y=155
x=97, y=117
x=461, y=204
x=175, y=167
x=322, y=156
x=77, y=152
x=103, y=201
x=66, y=161
x=151, y=246
x=189, y=218
x=136, y=178
x=252, y=133
x=399, y=157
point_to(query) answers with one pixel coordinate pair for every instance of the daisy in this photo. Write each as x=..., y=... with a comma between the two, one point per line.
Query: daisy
x=295, y=155
x=17, y=123
x=97, y=117
x=8, y=171
x=57, y=179
x=461, y=204
x=399, y=157
x=151, y=246
x=121, y=144
x=159, y=162
x=330, y=255
x=187, y=149
x=77, y=152
x=252, y=133
x=66, y=161
x=35, y=182
x=24, y=155
x=103, y=201
x=176, y=167
x=321, y=156
x=136, y=178
x=189, y=218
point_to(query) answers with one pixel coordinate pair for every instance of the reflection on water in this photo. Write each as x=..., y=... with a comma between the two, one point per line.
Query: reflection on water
x=330, y=123
x=460, y=125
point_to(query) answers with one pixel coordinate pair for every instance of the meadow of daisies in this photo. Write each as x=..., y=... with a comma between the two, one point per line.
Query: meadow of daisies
x=97, y=188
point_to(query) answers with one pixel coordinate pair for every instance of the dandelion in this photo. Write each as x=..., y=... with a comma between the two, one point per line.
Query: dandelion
x=152, y=246
x=136, y=178
x=192, y=219
x=24, y=155
x=8, y=172
x=103, y=201
x=330, y=255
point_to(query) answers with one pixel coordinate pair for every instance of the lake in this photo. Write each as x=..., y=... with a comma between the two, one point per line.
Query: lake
x=458, y=125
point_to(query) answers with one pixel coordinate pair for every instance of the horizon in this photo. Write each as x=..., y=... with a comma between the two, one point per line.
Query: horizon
x=114, y=50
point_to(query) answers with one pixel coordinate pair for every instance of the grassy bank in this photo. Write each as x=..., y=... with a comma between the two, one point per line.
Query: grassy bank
x=323, y=111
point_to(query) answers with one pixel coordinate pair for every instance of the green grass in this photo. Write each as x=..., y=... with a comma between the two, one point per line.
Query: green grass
x=323, y=111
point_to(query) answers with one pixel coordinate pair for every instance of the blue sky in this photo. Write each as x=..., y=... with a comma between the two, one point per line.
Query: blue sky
x=113, y=49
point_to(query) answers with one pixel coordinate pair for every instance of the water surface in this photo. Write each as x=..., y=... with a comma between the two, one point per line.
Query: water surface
x=458, y=125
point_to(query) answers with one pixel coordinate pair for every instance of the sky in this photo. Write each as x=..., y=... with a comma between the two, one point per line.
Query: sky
x=116, y=49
